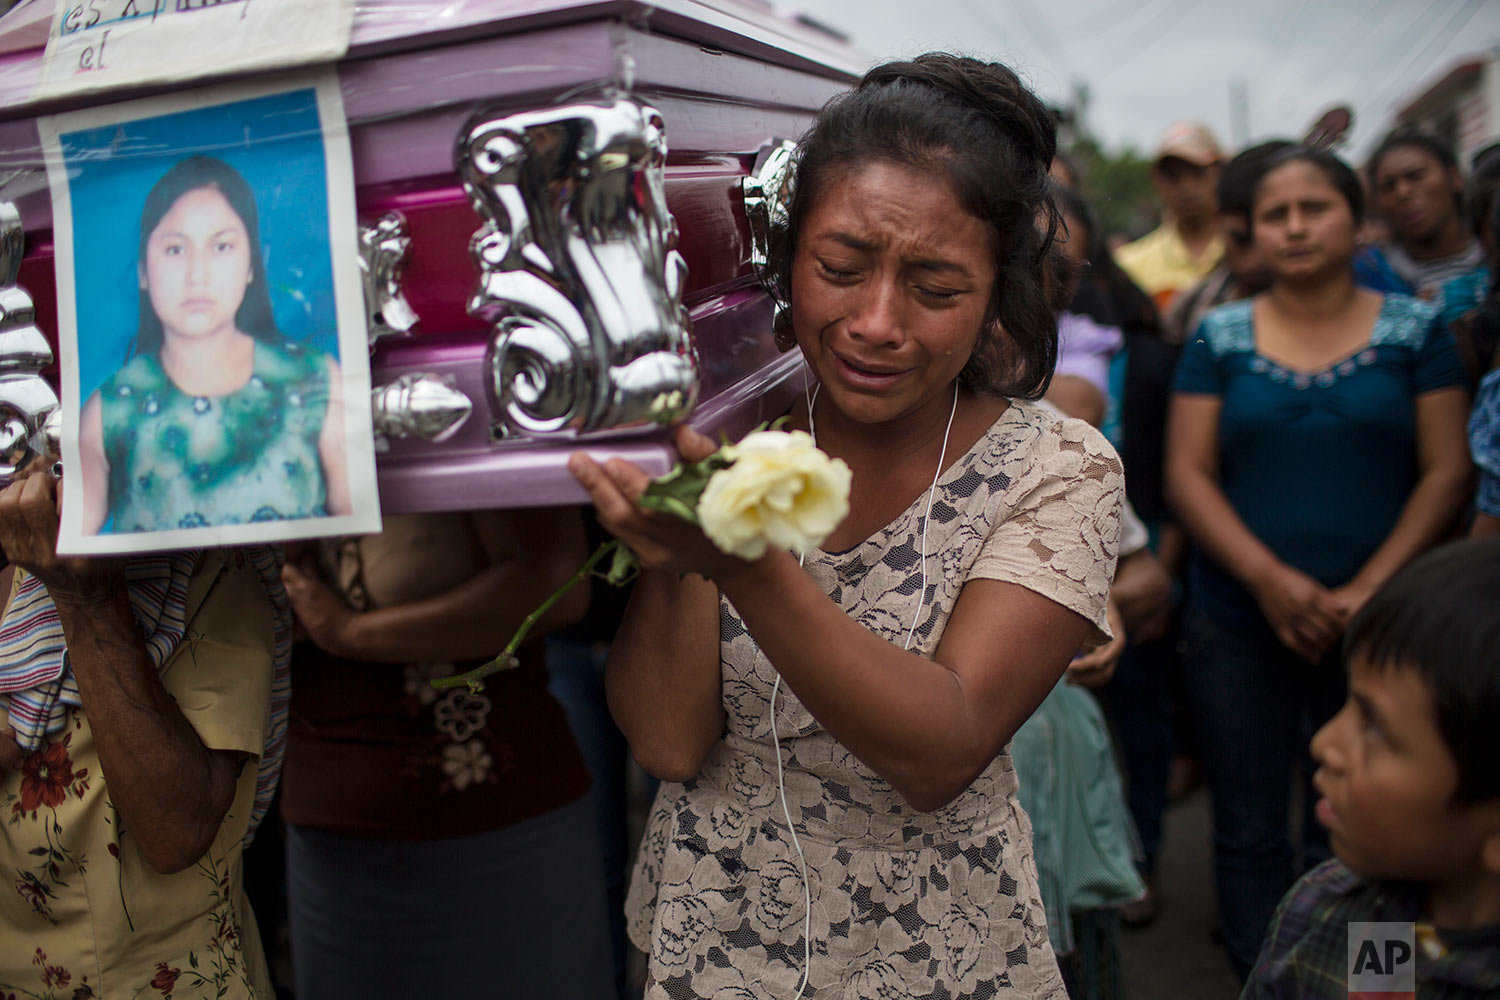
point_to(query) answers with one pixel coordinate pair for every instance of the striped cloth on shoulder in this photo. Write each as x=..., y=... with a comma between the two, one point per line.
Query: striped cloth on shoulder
x=38, y=680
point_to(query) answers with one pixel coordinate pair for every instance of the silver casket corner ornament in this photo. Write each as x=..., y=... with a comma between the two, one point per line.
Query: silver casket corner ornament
x=767, y=194
x=420, y=405
x=29, y=413
x=579, y=275
x=383, y=246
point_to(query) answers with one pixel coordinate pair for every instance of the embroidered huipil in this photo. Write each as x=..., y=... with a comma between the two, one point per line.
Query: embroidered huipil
x=1319, y=465
x=1484, y=444
x=936, y=905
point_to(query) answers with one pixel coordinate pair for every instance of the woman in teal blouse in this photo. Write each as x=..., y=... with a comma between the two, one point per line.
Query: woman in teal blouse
x=215, y=420
x=1315, y=445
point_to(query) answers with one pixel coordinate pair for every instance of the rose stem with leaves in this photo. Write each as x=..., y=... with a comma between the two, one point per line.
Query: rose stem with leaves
x=474, y=679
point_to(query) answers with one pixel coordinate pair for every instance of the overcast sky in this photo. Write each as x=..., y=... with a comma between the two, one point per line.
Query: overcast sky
x=1147, y=63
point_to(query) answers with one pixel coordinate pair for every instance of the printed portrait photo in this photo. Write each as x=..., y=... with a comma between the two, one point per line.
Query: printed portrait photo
x=214, y=361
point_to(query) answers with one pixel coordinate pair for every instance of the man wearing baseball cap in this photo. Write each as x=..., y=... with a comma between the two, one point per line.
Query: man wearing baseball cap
x=1187, y=245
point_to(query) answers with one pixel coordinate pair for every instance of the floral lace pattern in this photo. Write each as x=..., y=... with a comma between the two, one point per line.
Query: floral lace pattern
x=941, y=905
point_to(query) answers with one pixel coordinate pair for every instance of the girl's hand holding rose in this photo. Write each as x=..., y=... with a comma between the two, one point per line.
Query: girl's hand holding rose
x=721, y=507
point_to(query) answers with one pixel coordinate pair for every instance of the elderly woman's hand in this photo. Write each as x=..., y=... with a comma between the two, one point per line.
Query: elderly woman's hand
x=660, y=541
x=29, y=509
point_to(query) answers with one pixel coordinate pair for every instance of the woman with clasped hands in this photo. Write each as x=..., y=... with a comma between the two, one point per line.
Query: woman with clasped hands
x=896, y=661
x=1315, y=445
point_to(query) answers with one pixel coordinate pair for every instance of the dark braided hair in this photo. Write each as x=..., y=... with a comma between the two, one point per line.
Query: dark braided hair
x=978, y=125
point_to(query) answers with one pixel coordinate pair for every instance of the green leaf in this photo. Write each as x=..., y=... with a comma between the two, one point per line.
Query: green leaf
x=622, y=567
x=667, y=503
x=667, y=478
x=677, y=492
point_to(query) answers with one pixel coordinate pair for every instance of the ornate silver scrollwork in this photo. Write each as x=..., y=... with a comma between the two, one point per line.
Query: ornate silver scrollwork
x=421, y=405
x=383, y=246
x=26, y=400
x=767, y=192
x=577, y=269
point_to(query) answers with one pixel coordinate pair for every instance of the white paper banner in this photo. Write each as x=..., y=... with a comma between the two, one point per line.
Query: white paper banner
x=97, y=44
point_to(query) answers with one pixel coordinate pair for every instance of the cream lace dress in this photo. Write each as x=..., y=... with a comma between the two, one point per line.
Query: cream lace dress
x=905, y=904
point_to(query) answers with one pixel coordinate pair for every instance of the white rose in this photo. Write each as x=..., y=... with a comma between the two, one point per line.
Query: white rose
x=781, y=490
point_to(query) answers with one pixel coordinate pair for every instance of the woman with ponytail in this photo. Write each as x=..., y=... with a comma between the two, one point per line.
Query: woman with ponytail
x=838, y=816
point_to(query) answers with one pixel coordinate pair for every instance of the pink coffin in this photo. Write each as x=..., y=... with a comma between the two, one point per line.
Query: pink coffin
x=727, y=78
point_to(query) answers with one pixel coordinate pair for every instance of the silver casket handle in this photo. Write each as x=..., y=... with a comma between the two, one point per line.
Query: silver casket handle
x=579, y=275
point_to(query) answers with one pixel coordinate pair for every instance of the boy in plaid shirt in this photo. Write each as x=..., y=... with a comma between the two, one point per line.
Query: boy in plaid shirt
x=1409, y=774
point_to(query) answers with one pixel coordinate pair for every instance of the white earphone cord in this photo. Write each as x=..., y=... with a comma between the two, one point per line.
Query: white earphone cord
x=786, y=811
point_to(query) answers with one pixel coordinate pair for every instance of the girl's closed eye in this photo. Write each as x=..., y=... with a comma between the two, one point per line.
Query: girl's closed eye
x=836, y=273
x=938, y=294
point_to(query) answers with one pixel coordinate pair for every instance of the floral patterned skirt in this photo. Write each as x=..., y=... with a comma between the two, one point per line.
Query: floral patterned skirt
x=718, y=904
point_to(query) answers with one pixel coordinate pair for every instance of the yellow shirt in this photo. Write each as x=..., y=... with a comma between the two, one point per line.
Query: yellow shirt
x=81, y=913
x=1162, y=266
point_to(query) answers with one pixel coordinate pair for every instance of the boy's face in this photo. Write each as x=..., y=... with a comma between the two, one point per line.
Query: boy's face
x=1387, y=780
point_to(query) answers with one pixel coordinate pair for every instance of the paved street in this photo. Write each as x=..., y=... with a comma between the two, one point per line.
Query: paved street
x=1174, y=958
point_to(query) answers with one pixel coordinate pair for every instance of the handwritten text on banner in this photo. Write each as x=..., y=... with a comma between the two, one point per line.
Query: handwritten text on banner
x=97, y=44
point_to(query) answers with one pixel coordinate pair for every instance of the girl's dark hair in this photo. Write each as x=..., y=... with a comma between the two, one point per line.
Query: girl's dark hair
x=976, y=124
x=1412, y=136
x=1070, y=202
x=1339, y=174
x=254, y=316
x=1063, y=272
x=1242, y=174
x=1482, y=190
x=1437, y=617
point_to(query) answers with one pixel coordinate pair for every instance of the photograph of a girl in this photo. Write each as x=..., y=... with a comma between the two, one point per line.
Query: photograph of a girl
x=212, y=347
x=216, y=418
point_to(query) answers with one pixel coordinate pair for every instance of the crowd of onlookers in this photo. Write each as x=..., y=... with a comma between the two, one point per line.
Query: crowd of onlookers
x=1321, y=335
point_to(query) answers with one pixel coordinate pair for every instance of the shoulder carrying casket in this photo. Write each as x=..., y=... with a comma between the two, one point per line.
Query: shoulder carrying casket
x=531, y=178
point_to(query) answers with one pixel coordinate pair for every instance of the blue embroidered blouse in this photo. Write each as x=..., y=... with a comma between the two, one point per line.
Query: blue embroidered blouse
x=1484, y=443
x=1317, y=464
